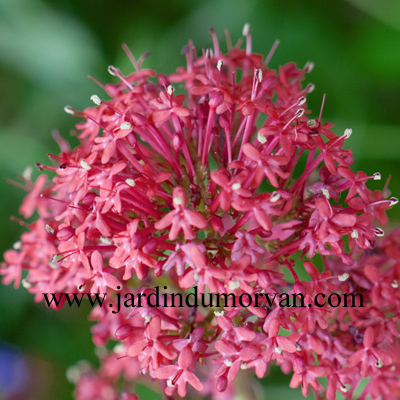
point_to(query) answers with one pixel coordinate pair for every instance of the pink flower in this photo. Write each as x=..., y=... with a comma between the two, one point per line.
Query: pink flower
x=206, y=192
x=181, y=219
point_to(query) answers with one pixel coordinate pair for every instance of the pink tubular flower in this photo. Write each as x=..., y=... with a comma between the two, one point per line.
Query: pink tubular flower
x=206, y=193
x=181, y=218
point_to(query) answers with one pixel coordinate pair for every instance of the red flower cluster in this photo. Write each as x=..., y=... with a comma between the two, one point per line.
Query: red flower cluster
x=216, y=187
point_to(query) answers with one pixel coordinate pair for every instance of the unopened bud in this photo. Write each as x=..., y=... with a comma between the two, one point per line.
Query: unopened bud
x=177, y=142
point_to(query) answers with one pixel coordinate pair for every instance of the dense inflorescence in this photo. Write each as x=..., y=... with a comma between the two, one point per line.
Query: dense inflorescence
x=225, y=186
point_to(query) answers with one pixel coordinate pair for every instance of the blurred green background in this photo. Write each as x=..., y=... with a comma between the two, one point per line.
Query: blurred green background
x=49, y=47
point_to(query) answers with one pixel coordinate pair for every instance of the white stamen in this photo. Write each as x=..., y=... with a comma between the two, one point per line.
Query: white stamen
x=325, y=192
x=105, y=240
x=69, y=110
x=53, y=265
x=112, y=70
x=170, y=89
x=147, y=319
x=73, y=374
x=312, y=123
x=298, y=347
x=261, y=138
x=259, y=75
x=301, y=101
x=27, y=174
x=395, y=284
x=219, y=65
x=228, y=363
x=246, y=29
x=379, y=232
x=85, y=165
x=196, y=277
x=17, y=245
x=125, y=125
x=379, y=363
x=344, y=389
x=169, y=383
x=233, y=285
x=130, y=182
x=119, y=349
x=310, y=88
x=81, y=288
x=343, y=277
x=393, y=201
x=219, y=313
x=25, y=284
x=49, y=229
x=347, y=133
x=354, y=234
x=393, y=368
x=243, y=366
x=299, y=112
x=53, y=262
x=278, y=349
x=96, y=99
x=142, y=163
x=377, y=176
x=275, y=197
x=178, y=201
x=236, y=186
x=308, y=67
